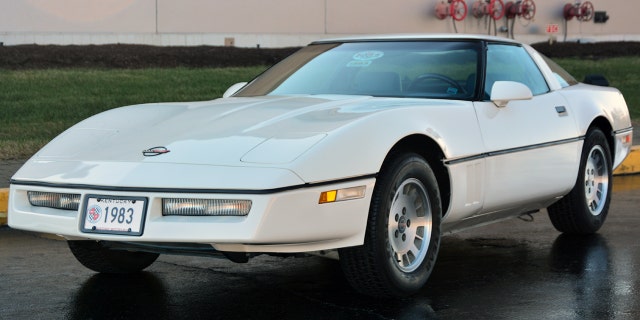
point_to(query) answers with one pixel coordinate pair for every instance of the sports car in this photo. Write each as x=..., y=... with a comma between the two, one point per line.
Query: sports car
x=365, y=149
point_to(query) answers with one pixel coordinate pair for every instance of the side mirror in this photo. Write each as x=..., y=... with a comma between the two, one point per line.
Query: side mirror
x=504, y=91
x=233, y=89
x=596, y=80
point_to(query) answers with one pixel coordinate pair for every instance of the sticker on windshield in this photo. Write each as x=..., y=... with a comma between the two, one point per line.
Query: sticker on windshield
x=358, y=64
x=368, y=55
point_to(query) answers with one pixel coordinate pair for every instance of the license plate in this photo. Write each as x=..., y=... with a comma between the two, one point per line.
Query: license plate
x=114, y=215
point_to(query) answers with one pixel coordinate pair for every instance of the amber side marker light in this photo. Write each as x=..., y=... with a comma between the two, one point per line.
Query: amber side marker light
x=342, y=194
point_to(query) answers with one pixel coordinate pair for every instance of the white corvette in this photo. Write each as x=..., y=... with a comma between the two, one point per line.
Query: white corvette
x=369, y=147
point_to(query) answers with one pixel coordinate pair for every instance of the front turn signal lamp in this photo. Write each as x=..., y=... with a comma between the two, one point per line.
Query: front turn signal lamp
x=205, y=207
x=627, y=139
x=342, y=194
x=64, y=201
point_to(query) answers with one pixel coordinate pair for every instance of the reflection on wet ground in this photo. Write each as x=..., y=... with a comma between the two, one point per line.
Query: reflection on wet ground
x=626, y=183
x=104, y=296
x=576, y=278
x=510, y=270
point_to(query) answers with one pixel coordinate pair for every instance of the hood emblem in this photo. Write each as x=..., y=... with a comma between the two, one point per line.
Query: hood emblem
x=155, y=151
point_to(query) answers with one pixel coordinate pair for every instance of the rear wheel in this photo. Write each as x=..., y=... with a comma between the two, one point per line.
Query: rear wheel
x=96, y=257
x=403, y=231
x=585, y=208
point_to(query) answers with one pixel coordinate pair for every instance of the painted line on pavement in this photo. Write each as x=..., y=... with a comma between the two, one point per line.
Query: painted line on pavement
x=4, y=205
x=631, y=165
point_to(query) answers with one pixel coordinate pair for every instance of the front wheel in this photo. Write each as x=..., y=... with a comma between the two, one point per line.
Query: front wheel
x=403, y=231
x=585, y=208
x=96, y=257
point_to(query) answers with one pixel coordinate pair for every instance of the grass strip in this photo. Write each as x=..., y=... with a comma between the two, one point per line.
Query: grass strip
x=37, y=105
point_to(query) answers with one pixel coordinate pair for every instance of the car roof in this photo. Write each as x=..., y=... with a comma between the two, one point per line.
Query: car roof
x=417, y=37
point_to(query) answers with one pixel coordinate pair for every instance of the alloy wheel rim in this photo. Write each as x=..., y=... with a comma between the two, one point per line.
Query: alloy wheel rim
x=596, y=180
x=410, y=224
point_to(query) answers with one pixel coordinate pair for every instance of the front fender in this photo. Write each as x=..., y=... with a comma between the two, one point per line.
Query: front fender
x=360, y=147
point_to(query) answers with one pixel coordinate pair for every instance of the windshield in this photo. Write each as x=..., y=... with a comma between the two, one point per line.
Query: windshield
x=423, y=69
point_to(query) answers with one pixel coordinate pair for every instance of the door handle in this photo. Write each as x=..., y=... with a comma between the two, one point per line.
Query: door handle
x=562, y=111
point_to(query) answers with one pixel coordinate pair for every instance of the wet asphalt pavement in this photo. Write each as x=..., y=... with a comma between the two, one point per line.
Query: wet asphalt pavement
x=509, y=270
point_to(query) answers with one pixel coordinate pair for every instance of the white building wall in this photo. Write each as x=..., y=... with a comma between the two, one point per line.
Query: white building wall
x=77, y=16
x=274, y=23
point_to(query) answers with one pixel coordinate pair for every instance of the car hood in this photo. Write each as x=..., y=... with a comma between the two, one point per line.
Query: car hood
x=231, y=132
x=255, y=143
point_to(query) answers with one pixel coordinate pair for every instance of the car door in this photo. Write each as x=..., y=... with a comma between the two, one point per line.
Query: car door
x=532, y=146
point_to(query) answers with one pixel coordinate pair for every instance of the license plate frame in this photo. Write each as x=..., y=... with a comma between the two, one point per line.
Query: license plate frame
x=130, y=222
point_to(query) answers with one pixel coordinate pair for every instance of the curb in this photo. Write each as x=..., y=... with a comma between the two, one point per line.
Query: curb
x=630, y=165
x=4, y=205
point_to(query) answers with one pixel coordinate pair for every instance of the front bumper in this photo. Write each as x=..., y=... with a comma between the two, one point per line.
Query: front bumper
x=287, y=221
x=623, y=144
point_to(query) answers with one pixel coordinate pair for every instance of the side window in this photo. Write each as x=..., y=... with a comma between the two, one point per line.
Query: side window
x=562, y=75
x=513, y=63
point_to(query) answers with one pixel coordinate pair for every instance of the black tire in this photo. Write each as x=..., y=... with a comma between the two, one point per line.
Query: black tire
x=585, y=208
x=96, y=257
x=387, y=264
